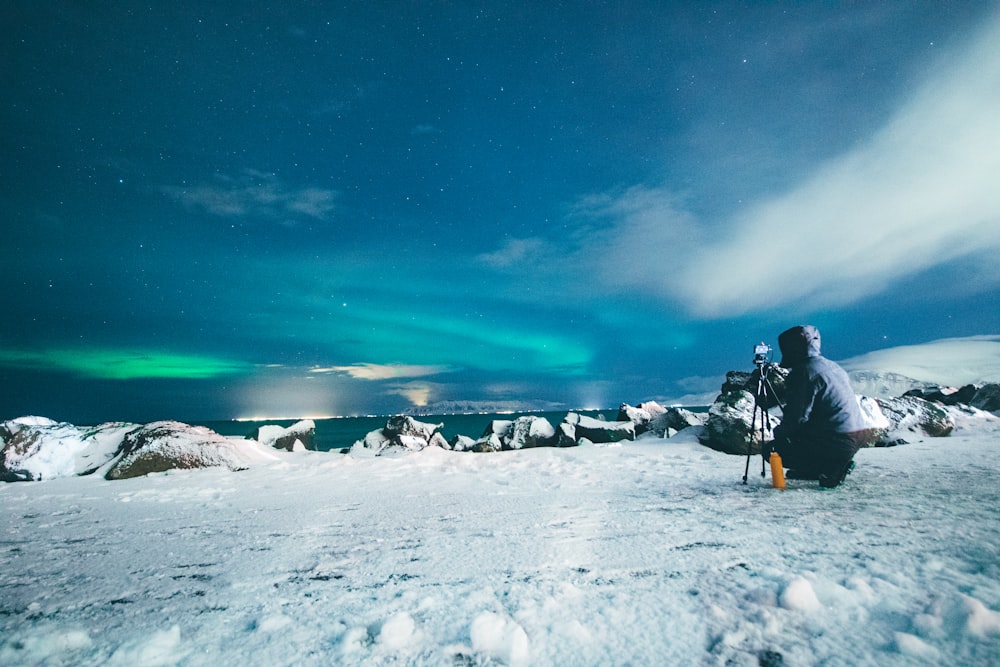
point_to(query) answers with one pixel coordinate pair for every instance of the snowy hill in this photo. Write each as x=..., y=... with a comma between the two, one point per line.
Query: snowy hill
x=647, y=553
x=948, y=362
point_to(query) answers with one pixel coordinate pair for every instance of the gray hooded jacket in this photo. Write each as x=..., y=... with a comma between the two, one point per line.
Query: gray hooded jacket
x=820, y=399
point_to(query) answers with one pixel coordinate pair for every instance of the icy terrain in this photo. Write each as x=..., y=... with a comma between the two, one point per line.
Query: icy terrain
x=651, y=552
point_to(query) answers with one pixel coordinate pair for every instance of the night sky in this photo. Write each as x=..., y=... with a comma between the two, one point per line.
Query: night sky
x=211, y=211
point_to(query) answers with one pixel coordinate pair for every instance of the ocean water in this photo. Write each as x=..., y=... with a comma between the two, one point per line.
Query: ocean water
x=342, y=432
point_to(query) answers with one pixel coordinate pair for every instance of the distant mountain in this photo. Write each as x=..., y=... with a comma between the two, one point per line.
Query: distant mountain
x=947, y=362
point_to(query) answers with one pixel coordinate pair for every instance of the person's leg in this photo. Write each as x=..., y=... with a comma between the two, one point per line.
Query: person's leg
x=800, y=457
x=837, y=459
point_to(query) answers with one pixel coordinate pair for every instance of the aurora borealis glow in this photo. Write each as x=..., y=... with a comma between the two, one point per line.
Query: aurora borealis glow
x=215, y=211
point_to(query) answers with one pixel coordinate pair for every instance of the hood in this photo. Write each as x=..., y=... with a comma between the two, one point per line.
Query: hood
x=798, y=344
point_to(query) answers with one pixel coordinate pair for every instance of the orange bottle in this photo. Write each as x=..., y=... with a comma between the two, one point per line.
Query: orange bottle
x=777, y=472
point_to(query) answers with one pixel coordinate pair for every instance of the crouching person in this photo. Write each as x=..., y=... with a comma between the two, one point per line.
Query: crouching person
x=822, y=427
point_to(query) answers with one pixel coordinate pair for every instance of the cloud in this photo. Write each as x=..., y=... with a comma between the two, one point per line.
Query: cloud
x=514, y=252
x=384, y=371
x=256, y=193
x=920, y=193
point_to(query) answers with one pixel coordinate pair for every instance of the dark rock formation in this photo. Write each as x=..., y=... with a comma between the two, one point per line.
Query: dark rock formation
x=916, y=415
x=987, y=398
x=728, y=427
x=598, y=431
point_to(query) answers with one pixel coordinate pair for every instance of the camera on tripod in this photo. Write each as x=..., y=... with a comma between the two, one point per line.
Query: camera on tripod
x=761, y=354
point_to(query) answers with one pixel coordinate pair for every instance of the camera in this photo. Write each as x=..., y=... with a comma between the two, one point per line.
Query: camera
x=761, y=354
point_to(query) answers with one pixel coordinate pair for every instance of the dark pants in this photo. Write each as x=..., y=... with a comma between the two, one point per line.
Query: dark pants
x=821, y=452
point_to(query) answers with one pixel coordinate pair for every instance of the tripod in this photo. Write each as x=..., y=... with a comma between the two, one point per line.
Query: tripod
x=760, y=404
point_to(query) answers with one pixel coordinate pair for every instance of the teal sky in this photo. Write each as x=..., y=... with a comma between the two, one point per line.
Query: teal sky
x=315, y=209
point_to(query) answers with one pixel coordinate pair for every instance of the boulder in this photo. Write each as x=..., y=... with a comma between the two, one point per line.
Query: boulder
x=531, y=431
x=461, y=443
x=599, y=431
x=651, y=417
x=566, y=435
x=775, y=377
x=520, y=433
x=945, y=395
x=297, y=437
x=36, y=448
x=169, y=445
x=987, y=398
x=490, y=442
x=640, y=415
x=401, y=433
x=728, y=426
x=916, y=415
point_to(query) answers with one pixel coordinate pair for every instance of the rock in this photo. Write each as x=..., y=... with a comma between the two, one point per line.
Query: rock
x=774, y=386
x=521, y=433
x=461, y=443
x=599, y=431
x=945, y=395
x=169, y=445
x=566, y=435
x=531, y=431
x=640, y=415
x=297, y=437
x=987, y=398
x=401, y=433
x=36, y=448
x=651, y=417
x=728, y=426
x=491, y=442
x=916, y=415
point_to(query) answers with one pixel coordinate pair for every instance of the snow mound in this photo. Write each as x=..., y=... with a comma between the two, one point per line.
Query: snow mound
x=501, y=638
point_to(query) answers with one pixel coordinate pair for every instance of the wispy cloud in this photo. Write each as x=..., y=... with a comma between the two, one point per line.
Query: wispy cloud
x=513, y=252
x=384, y=371
x=921, y=192
x=256, y=193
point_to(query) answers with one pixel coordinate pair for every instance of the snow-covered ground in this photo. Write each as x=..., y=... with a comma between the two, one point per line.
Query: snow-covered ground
x=648, y=553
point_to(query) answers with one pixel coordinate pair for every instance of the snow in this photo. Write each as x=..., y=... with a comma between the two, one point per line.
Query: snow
x=949, y=361
x=650, y=552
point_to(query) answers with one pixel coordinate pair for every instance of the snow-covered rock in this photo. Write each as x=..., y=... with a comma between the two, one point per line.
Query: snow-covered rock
x=598, y=430
x=651, y=417
x=36, y=448
x=170, y=445
x=728, y=427
x=401, y=433
x=987, y=398
x=461, y=443
x=297, y=437
x=916, y=415
x=520, y=433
